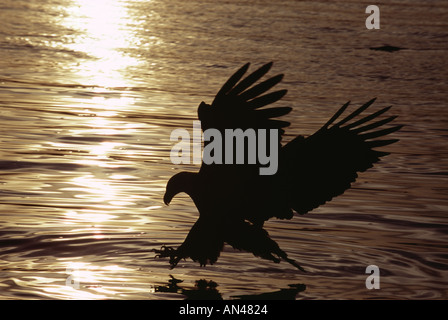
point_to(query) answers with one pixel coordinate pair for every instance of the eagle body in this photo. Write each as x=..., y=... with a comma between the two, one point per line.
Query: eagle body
x=234, y=200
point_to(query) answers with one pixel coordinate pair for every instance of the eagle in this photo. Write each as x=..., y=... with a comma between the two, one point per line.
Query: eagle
x=235, y=200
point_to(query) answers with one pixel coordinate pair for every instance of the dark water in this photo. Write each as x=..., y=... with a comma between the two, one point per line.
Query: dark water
x=91, y=90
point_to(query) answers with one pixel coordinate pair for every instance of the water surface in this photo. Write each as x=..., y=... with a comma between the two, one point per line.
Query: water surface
x=91, y=90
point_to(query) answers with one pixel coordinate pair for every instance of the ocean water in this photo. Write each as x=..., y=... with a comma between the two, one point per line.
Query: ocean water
x=91, y=90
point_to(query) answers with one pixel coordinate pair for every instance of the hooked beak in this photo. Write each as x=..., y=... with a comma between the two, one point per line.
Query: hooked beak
x=167, y=198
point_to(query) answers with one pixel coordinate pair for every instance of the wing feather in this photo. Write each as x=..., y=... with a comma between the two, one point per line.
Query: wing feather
x=239, y=103
x=374, y=125
x=316, y=169
x=251, y=79
x=367, y=118
x=356, y=112
x=261, y=87
x=231, y=82
x=266, y=99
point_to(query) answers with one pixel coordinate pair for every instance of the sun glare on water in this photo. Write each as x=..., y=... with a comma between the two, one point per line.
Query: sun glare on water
x=102, y=33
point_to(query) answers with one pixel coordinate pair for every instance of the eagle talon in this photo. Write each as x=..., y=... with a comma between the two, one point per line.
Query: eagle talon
x=168, y=252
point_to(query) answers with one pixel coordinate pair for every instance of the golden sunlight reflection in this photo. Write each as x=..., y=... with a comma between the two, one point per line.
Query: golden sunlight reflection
x=111, y=103
x=101, y=191
x=84, y=280
x=102, y=33
x=90, y=216
x=102, y=150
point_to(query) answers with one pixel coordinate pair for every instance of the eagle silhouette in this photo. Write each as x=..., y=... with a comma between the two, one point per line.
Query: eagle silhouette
x=234, y=200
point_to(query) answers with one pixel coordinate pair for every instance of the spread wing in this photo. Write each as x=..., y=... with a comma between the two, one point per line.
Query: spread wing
x=238, y=103
x=322, y=166
x=241, y=104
